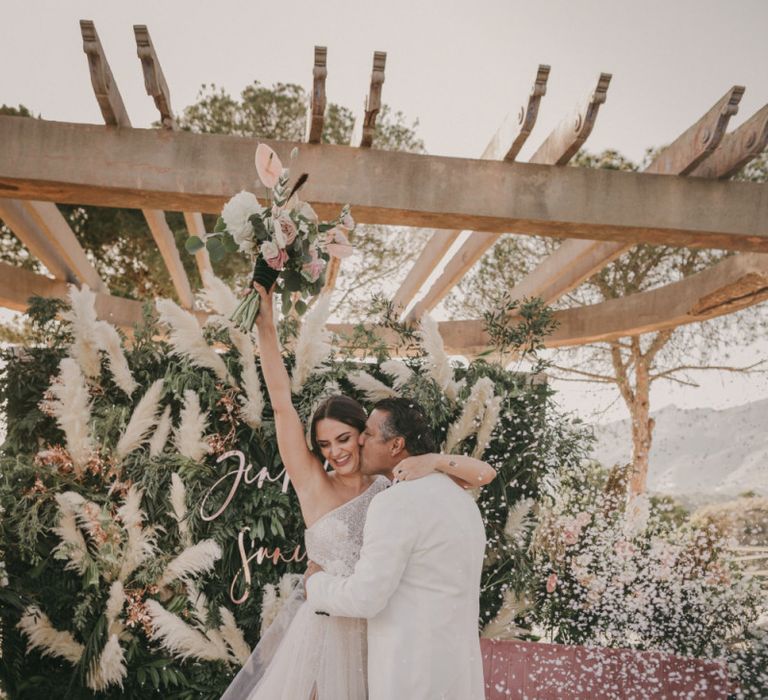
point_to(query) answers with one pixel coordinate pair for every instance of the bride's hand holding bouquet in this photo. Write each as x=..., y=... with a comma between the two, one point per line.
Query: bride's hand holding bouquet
x=287, y=244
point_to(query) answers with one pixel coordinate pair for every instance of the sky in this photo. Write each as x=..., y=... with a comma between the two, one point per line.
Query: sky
x=457, y=67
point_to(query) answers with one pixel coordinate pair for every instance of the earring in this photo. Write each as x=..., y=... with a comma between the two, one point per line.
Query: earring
x=326, y=465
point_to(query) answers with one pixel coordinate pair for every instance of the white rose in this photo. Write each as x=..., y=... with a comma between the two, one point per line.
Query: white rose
x=269, y=250
x=236, y=213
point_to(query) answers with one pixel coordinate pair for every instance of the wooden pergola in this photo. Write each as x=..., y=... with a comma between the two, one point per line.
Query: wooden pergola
x=683, y=198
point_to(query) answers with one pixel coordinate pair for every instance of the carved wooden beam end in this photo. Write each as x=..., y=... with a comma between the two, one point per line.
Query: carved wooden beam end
x=700, y=140
x=154, y=80
x=373, y=102
x=569, y=136
x=528, y=113
x=316, y=116
x=104, y=86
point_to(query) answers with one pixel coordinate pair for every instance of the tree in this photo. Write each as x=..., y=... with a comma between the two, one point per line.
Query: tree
x=630, y=364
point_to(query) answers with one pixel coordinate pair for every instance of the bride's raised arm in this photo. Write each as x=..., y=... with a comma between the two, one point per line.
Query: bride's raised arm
x=466, y=471
x=303, y=467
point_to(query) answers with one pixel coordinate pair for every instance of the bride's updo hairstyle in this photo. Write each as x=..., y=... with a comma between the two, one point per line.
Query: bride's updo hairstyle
x=341, y=408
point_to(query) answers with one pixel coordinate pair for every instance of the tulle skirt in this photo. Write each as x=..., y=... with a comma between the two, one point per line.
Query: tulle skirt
x=305, y=656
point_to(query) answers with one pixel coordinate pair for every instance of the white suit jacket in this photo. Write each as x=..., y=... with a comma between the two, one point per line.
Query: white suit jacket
x=418, y=583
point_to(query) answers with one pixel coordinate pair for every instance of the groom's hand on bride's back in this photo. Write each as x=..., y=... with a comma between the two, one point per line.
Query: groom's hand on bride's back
x=312, y=569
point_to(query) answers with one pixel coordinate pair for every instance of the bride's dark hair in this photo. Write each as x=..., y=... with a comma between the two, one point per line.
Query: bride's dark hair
x=341, y=408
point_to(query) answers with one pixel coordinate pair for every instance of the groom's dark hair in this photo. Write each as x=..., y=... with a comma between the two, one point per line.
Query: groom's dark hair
x=406, y=419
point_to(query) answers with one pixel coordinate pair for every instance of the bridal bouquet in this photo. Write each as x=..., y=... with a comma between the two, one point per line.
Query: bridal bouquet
x=287, y=244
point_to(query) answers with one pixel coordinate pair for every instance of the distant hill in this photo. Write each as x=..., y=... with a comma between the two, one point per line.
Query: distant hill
x=700, y=454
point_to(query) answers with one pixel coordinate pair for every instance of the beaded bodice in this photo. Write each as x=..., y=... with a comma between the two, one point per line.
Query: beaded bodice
x=334, y=541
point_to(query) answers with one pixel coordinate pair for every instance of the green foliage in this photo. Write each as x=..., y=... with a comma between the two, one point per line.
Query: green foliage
x=529, y=441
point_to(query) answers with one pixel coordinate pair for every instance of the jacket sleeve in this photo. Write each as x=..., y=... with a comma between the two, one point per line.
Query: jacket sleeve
x=388, y=539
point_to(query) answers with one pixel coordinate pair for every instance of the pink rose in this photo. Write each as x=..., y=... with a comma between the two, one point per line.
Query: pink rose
x=337, y=244
x=285, y=228
x=314, y=268
x=551, y=583
x=268, y=165
x=274, y=257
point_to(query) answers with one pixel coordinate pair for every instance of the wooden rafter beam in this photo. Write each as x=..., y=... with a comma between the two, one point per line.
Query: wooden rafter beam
x=45, y=232
x=115, y=114
x=735, y=283
x=504, y=145
x=316, y=116
x=571, y=134
x=157, y=88
x=373, y=101
x=575, y=261
x=89, y=164
x=557, y=149
x=737, y=148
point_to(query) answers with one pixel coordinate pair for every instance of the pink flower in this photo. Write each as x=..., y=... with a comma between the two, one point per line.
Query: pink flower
x=285, y=229
x=337, y=244
x=274, y=257
x=314, y=268
x=551, y=583
x=348, y=222
x=268, y=165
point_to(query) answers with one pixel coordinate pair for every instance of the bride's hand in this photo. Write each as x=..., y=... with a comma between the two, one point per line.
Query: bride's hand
x=265, y=317
x=416, y=467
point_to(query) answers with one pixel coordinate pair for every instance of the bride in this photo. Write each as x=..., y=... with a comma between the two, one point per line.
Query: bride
x=303, y=656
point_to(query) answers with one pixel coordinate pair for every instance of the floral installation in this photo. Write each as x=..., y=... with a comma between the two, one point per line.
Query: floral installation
x=285, y=241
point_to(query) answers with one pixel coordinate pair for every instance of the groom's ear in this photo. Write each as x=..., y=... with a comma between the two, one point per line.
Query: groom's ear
x=398, y=445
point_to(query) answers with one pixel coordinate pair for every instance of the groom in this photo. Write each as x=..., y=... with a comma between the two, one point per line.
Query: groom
x=418, y=577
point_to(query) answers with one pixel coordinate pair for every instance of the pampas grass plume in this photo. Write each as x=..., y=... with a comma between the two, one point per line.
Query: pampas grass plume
x=186, y=338
x=233, y=635
x=160, y=436
x=41, y=634
x=71, y=405
x=197, y=559
x=82, y=317
x=400, y=372
x=189, y=435
x=182, y=640
x=474, y=408
x=110, y=669
x=373, y=389
x=313, y=345
x=142, y=420
x=109, y=340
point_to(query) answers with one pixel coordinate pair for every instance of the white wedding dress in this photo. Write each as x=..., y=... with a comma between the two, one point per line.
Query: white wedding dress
x=305, y=656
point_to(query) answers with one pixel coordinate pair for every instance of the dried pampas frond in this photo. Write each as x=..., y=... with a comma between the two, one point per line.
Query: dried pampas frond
x=400, y=372
x=186, y=338
x=115, y=602
x=487, y=426
x=503, y=625
x=109, y=341
x=373, y=389
x=252, y=403
x=468, y=422
x=140, y=546
x=233, y=635
x=142, y=420
x=160, y=436
x=189, y=435
x=41, y=634
x=313, y=345
x=82, y=317
x=275, y=597
x=181, y=639
x=217, y=296
x=73, y=544
x=197, y=559
x=437, y=360
x=519, y=521
x=71, y=406
x=179, y=505
x=110, y=669
x=130, y=512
